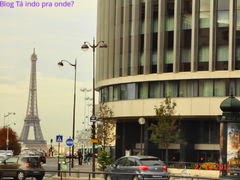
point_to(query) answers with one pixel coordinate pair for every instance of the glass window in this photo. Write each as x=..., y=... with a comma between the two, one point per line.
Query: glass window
x=154, y=89
x=104, y=94
x=155, y=17
x=169, y=15
x=123, y=92
x=222, y=33
x=222, y=53
x=237, y=87
x=187, y=88
x=131, y=89
x=110, y=93
x=203, y=55
x=204, y=14
x=237, y=39
x=116, y=94
x=171, y=88
x=219, y=88
x=205, y=88
x=143, y=90
x=203, y=34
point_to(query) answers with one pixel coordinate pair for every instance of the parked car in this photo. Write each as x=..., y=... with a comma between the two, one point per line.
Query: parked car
x=2, y=157
x=20, y=167
x=137, y=168
x=42, y=156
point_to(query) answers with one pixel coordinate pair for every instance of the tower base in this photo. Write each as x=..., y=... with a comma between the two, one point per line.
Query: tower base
x=37, y=145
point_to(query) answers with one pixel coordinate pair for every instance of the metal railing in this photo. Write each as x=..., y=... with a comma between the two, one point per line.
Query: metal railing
x=87, y=175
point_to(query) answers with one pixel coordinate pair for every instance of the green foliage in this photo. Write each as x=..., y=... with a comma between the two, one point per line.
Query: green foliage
x=106, y=126
x=104, y=159
x=165, y=130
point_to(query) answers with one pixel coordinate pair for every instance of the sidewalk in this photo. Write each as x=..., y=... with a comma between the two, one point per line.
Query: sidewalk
x=81, y=172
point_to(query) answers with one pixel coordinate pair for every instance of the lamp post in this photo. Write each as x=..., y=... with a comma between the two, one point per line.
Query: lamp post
x=85, y=90
x=86, y=46
x=7, y=126
x=74, y=103
x=141, y=121
x=6, y=115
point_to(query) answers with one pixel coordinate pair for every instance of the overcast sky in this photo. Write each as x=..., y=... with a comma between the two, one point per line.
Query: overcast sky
x=56, y=33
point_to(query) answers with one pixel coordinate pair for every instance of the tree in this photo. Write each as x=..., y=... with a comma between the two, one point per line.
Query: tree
x=13, y=142
x=166, y=130
x=106, y=126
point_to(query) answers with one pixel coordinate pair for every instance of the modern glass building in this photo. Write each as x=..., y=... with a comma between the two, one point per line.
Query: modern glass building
x=188, y=50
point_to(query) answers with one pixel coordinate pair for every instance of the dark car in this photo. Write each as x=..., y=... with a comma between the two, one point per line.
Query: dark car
x=137, y=168
x=42, y=156
x=20, y=167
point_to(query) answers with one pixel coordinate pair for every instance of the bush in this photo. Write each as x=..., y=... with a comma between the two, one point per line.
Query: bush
x=209, y=166
x=104, y=159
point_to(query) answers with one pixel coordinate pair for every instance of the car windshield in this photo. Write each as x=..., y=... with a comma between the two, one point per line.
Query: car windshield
x=151, y=162
x=12, y=160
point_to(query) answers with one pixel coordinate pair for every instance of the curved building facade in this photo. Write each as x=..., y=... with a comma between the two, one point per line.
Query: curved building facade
x=188, y=50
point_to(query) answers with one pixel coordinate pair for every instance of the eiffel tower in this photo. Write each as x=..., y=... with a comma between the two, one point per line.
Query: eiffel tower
x=32, y=119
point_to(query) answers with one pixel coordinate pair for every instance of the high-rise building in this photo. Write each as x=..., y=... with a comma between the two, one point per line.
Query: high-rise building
x=188, y=50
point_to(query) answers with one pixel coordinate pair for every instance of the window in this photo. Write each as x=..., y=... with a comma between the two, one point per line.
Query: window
x=188, y=88
x=219, y=88
x=171, y=89
x=205, y=88
x=143, y=90
x=116, y=93
x=203, y=34
x=131, y=89
x=123, y=92
x=222, y=33
x=155, y=89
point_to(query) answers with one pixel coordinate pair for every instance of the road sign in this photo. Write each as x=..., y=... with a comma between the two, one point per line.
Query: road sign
x=94, y=140
x=59, y=138
x=69, y=142
x=93, y=119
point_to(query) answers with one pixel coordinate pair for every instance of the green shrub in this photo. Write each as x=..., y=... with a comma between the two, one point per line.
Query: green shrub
x=104, y=159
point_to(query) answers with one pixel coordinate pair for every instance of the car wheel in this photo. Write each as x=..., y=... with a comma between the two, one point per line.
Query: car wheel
x=135, y=178
x=39, y=177
x=20, y=176
x=108, y=177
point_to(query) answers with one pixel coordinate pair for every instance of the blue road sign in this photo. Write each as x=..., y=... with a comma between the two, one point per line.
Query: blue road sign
x=69, y=142
x=59, y=138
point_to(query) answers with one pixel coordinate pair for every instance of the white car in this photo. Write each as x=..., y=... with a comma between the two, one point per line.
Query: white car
x=2, y=157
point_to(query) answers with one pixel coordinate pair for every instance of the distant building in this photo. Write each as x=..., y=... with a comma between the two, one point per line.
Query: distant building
x=188, y=50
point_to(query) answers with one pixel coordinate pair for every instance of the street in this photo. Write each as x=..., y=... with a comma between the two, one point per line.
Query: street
x=51, y=165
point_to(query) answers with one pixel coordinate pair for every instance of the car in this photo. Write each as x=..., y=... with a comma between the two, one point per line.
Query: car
x=2, y=157
x=137, y=168
x=20, y=167
x=41, y=155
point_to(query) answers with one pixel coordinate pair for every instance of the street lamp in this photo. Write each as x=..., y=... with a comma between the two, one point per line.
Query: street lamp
x=141, y=121
x=86, y=46
x=74, y=102
x=7, y=126
x=6, y=115
x=85, y=90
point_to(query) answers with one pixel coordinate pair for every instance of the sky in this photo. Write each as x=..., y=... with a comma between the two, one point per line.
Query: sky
x=56, y=33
